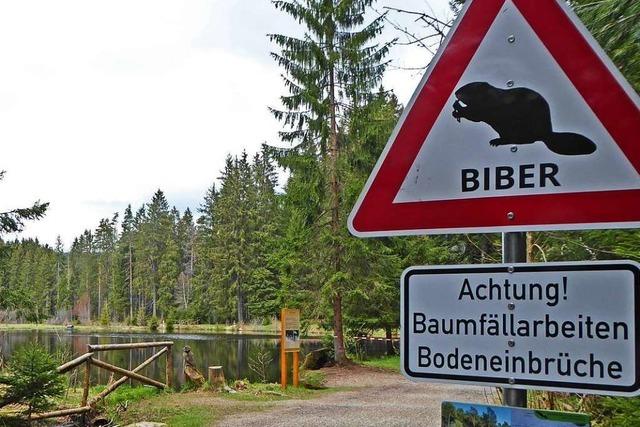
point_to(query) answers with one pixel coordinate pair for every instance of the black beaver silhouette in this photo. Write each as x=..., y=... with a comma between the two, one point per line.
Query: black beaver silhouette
x=519, y=115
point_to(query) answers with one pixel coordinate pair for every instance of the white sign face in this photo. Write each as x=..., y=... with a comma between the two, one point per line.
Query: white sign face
x=463, y=157
x=551, y=326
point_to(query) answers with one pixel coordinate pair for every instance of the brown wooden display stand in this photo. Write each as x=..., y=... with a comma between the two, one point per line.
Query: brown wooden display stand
x=289, y=343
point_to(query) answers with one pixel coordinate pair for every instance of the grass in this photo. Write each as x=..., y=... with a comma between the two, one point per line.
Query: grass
x=176, y=409
x=203, y=408
x=128, y=404
x=123, y=394
x=388, y=363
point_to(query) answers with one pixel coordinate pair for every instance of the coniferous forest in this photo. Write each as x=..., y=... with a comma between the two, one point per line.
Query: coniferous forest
x=251, y=247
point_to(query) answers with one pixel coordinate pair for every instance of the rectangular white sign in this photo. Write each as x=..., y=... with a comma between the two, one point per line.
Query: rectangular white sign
x=551, y=326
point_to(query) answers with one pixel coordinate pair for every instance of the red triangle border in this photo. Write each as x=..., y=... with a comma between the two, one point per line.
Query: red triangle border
x=603, y=88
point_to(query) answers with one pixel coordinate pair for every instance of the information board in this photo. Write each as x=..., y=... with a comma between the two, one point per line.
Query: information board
x=291, y=329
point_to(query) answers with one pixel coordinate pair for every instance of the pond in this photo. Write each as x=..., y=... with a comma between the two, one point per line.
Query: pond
x=234, y=352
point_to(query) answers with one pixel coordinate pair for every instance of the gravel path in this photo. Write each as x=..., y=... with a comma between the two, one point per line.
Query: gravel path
x=380, y=399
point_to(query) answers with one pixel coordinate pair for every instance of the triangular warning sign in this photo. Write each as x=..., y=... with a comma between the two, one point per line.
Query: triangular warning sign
x=521, y=122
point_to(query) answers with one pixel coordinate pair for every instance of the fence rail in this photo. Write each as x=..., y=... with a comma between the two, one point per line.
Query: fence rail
x=88, y=361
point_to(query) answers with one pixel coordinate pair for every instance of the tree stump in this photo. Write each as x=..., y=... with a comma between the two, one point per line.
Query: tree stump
x=216, y=377
x=188, y=365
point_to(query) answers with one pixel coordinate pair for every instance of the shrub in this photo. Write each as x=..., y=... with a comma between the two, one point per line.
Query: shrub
x=153, y=323
x=104, y=317
x=141, y=317
x=259, y=363
x=32, y=380
x=169, y=323
x=313, y=379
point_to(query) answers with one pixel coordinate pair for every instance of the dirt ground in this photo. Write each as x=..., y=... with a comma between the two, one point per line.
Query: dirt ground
x=378, y=398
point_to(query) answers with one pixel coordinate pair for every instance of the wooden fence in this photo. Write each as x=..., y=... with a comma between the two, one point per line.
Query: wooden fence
x=89, y=360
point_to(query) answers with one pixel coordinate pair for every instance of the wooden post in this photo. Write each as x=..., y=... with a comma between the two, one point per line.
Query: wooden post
x=169, y=370
x=283, y=354
x=130, y=374
x=75, y=362
x=87, y=382
x=108, y=347
x=296, y=362
x=124, y=379
x=216, y=377
x=60, y=413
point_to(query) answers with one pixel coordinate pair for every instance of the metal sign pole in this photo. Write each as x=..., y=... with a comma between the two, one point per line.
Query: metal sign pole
x=514, y=249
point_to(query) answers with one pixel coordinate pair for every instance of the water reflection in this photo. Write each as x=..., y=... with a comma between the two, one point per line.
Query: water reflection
x=230, y=351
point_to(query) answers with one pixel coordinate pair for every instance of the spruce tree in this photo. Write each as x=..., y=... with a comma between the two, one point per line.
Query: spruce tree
x=104, y=245
x=186, y=239
x=155, y=233
x=125, y=245
x=327, y=72
x=61, y=289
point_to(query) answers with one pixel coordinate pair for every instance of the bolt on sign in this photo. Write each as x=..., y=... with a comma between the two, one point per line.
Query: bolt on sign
x=521, y=122
x=291, y=329
x=551, y=326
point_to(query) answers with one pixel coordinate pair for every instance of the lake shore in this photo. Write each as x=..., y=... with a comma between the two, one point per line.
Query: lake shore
x=268, y=330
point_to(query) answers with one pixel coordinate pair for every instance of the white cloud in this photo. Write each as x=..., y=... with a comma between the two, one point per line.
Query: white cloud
x=101, y=103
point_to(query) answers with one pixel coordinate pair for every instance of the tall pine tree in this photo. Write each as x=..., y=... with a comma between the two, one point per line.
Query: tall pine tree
x=327, y=72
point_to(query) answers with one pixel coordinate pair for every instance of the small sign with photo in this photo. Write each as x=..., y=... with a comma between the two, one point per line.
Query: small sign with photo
x=456, y=414
x=292, y=340
x=291, y=327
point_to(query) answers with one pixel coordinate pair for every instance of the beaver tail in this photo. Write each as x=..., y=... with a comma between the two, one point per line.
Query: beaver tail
x=569, y=144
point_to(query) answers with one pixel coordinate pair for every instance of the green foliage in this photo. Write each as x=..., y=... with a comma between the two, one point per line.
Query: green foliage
x=104, y=317
x=153, y=323
x=141, y=317
x=391, y=363
x=616, y=26
x=31, y=380
x=12, y=221
x=237, y=235
x=169, y=322
x=127, y=393
x=329, y=73
x=313, y=379
x=619, y=412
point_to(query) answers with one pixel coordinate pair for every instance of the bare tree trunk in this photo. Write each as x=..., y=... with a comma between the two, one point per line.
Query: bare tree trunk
x=340, y=355
x=130, y=282
x=99, y=289
x=190, y=275
x=389, y=341
x=154, y=269
x=155, y=292
x=58, y=283
x=338, y=339
x=240, y=296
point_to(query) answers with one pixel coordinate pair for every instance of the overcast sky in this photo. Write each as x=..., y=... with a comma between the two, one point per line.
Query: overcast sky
x=103, y=102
